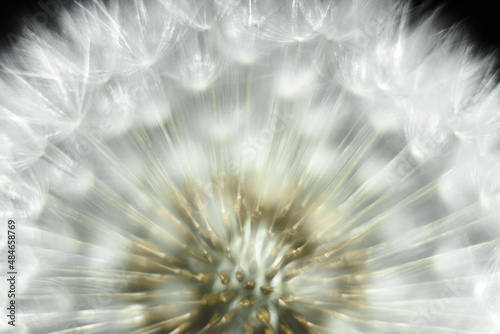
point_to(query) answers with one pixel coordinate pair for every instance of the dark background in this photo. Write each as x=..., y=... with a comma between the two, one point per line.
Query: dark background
x=481, y=17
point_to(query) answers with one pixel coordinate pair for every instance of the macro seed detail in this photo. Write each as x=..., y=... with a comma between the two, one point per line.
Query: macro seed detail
x=246, y=267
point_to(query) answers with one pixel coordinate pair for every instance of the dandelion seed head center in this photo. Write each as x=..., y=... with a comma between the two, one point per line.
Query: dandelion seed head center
x=246, y=275
x=250, y=254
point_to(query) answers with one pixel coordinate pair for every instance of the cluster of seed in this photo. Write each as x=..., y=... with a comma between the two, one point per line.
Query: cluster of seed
x=252, y=267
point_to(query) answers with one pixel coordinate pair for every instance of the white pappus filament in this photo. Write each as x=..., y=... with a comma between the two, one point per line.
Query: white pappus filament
x=261, y=166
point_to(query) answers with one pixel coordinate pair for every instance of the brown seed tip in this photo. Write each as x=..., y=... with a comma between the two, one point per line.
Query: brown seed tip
x=247, y=302
x=229, y=255
x=249, y=285
x=239, y=274
x=205, y=278
x=263, y=315
x=270, y=273
x=227, y=297
x=285, y=328
x=292, y=255
x=211, y=299
x=224, y=277
x=266, y=289
x=287, y=298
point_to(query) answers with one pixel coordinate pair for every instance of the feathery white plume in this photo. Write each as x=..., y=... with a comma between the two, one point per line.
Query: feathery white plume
x=256, y=166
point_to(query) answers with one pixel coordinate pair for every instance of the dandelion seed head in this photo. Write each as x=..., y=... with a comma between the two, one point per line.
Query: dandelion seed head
x=250, y=167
